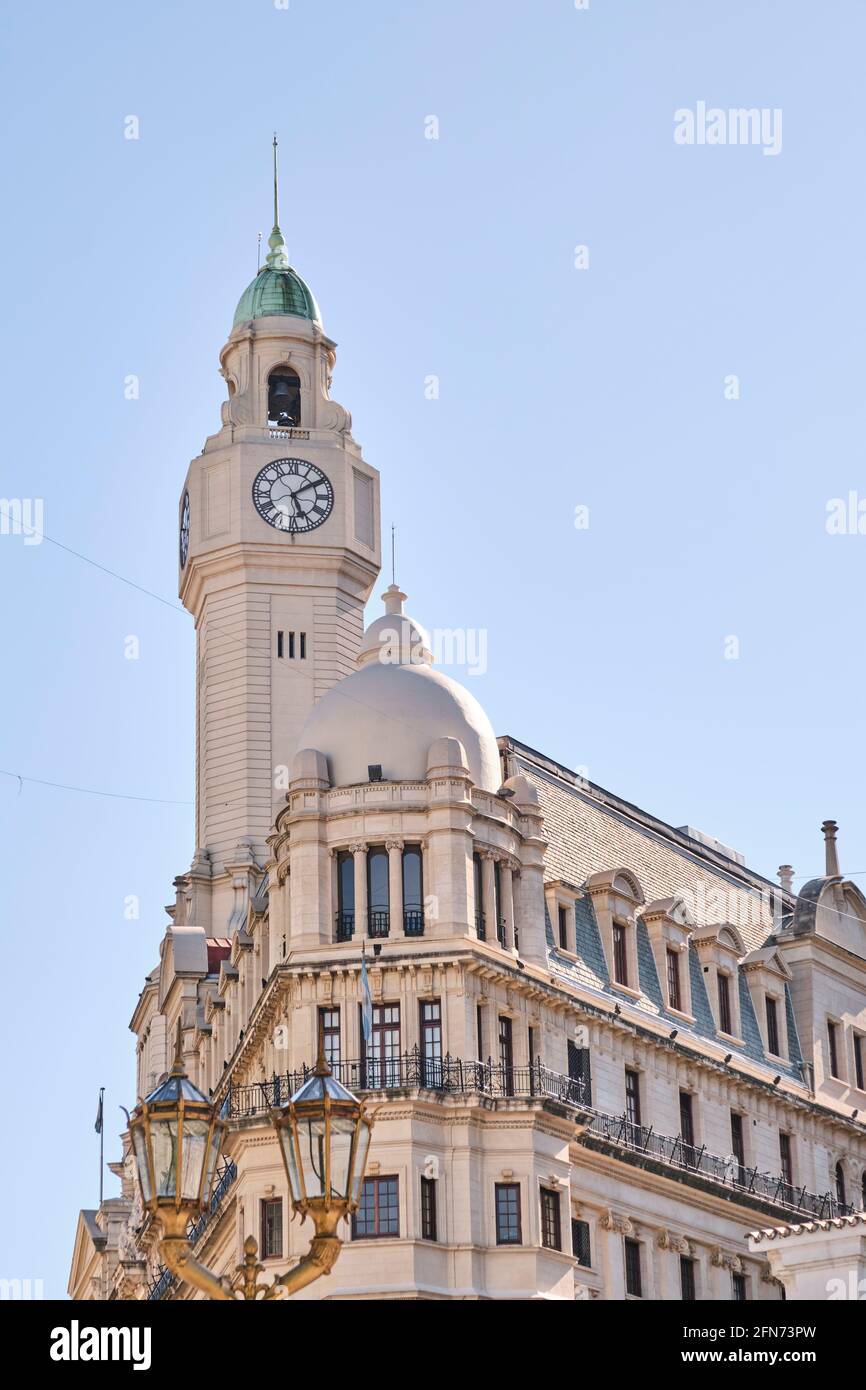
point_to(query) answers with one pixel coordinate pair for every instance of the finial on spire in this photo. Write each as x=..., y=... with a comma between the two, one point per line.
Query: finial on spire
x=278, y=256
x=393, y=557
x=831, y=855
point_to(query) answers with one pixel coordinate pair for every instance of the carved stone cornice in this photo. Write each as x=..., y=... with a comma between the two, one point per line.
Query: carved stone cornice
x=617, y=1221
x=726, y=1259
x=669, y=1240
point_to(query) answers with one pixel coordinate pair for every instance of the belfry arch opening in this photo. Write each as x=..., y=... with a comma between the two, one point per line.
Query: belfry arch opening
x=284, y=398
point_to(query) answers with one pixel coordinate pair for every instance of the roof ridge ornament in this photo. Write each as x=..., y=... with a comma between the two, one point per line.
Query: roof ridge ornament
x=278, y=256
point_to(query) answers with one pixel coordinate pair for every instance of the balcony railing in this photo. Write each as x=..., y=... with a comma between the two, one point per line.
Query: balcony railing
x=226, y=1178
x=345, y=926
x=378, y=922
x=674, y=1152
x=452, y=1075
x=413, y=921
x=161, y=1286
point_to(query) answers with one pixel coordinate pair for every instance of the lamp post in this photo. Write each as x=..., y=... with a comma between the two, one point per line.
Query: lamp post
x=177, y=1136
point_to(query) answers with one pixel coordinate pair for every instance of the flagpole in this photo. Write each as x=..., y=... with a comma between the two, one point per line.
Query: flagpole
x=101, y=1141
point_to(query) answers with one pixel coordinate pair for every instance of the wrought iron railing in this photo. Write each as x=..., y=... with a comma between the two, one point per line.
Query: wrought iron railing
x=378, y=922
x=161, y=1285
x=227, y=1176
x=413, y=921
x=412, y=1070
x=674, y=1152
x=345, y=926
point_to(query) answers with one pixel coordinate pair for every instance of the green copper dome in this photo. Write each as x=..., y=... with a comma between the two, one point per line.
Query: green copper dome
x=277, y=292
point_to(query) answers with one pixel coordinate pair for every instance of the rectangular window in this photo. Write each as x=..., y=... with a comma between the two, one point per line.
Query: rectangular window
x=291, y=646
x=772, y=1026
x=858, y=1061
x=632, y=1097
x=508, y=1213
x=687, y=1279
x=785, y=1158
x=833, y=1041
x=431, y=1042
x=428, y=1209
x=478, y=881
x=381, y=1056
x=303, y=644
x=687, y=1122
x=738, y=1290
x=506, y=1055
x=620, y=954
x=563, y=928
x=633, y=1283
x=279, y=644
x=272, y=1228
x=580, y=1072
x=674, y=995
x=378, y=1214
x=738, y=1147
x=329, y=1023
x=345, y=896
x=580, y=1247
x=479, y=1031
x=724, y=988
x=551, y=1230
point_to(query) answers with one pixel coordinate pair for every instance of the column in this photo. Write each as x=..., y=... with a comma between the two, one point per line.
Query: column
x=395, y=886
x=488, y=884
x=506, y=894
x=359, y=853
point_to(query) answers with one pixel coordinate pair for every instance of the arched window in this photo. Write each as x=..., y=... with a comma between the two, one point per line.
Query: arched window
x=413, y=891
x=345, y=896
x=284, y=398
x=840, y=1184
x=378, y=896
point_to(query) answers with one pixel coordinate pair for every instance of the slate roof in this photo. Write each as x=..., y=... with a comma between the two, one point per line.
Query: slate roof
x=589, y=830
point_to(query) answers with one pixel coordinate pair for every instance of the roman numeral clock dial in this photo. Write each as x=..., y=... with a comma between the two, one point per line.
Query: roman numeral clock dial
x=293, y=495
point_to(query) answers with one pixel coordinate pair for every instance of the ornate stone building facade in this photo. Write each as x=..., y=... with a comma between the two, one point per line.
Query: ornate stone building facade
x=603, y=1049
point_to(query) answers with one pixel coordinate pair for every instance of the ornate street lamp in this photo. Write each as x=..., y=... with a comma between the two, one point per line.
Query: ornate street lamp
x=177, y=1136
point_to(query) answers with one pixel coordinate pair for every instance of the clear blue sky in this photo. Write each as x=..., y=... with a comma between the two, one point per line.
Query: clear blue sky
x=559, y=387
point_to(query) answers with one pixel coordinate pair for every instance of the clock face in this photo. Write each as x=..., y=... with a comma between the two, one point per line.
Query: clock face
x=183, y=540
x=293, y=495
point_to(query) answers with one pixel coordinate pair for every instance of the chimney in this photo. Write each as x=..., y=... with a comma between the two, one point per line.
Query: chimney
x=786, y=877
x=829, y=828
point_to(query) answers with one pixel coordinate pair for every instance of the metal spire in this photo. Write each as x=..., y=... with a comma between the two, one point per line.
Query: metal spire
x=278, y=256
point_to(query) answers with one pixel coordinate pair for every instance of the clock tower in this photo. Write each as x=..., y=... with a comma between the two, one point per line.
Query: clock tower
x=279, y=549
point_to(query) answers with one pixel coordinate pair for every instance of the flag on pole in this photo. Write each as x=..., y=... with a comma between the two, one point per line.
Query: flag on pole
x=366, y=1000
x=98, y=1125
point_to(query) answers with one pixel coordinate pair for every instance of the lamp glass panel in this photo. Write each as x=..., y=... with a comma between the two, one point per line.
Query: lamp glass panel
x=194, y=1155
x=312, y=1137
x=163, y=1138
x=342, y=1141
x=287, y=1139
x=213, y=1155
x=361, y=1151
x=139, y=1143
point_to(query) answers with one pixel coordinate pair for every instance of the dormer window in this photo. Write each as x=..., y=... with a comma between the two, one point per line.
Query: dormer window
x=669, y=927
x=719, y=947
x=616, y=895
x=284, y=398
x=560, y=899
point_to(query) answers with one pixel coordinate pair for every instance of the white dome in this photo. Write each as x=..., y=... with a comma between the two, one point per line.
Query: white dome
x=392, y=709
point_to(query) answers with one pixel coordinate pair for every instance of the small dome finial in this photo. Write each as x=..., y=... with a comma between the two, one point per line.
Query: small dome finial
x=278, y=256
x=394, y=598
